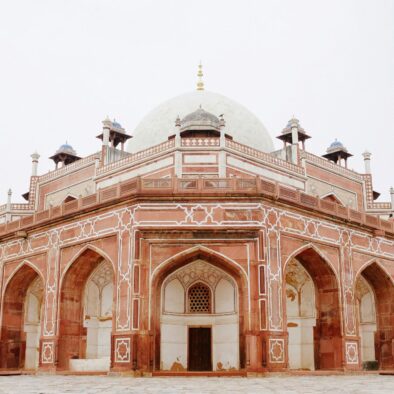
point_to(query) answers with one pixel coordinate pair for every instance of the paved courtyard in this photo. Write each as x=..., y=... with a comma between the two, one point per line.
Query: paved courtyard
x=272, y=384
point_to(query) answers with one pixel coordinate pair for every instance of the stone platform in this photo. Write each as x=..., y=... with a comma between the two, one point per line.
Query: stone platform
x=358, y=384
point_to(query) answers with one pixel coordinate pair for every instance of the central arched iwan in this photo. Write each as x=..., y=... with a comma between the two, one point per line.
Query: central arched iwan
x=200, y=298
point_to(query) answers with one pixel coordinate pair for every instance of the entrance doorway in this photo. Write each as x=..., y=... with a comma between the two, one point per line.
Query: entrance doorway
x=199, y=321
x=200, y=353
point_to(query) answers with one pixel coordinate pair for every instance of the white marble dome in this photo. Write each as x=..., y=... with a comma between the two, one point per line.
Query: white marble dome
x=241, y=124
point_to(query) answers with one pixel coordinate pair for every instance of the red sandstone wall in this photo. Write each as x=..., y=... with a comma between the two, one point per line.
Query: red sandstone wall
x=251, y=240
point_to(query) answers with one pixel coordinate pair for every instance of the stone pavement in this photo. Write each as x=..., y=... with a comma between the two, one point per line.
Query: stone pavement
x=273, y=384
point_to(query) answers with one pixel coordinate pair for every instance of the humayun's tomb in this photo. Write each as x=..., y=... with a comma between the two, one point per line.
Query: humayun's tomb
x=193, y=245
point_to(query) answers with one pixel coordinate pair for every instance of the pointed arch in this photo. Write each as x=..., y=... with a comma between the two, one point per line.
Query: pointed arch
x=13, y=335
x=71, y=330
x=77, y=255
x=229, y=266
x=366, y=265
x=20, y=266
x=204, y=252
x=383, y=288
x=321, y=254
x=327, y=332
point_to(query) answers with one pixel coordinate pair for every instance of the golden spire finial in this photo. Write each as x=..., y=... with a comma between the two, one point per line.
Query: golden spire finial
x=200, y=83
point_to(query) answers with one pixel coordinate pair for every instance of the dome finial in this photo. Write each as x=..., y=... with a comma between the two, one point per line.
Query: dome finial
x=200, y=83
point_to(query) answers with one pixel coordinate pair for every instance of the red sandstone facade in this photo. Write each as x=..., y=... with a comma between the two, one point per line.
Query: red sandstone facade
x=246, y=225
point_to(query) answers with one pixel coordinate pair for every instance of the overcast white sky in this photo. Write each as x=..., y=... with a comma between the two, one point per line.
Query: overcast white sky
x=65, y=65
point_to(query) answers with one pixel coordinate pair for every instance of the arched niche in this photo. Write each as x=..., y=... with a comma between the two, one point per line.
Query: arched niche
x=21, y=320
x=378, y=298
x=98, y=301
x=85, y=320
x=319, y=307
x=199, y=301
x=301, y=316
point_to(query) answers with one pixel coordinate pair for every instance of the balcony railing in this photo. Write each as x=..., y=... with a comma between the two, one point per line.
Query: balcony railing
x=219, y=187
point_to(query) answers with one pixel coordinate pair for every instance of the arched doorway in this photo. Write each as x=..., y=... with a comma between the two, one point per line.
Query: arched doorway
x=86, y=310
x=199, y=319
x=21, y=324
x=313, y=313
x=376, y=312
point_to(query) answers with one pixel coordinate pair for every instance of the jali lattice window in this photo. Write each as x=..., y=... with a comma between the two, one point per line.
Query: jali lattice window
x=199, y=299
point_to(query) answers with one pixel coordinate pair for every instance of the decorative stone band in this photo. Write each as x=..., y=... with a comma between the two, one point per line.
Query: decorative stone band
x=218, y=187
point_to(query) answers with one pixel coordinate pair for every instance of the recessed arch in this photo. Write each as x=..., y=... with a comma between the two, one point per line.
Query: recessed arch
x=27, y=263
x=16, y=340
x=312, y=246
x=204, y=252
x=239, y=313
x=383, y=290
x=80, y=252
x=367, y=264
x=73, y=329
x=327, y=330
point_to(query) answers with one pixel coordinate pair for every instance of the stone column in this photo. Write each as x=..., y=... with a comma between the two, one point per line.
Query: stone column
x=222, y=153
x=178, y=153
x=367, y=162
x=294, y=145
x=8, y=209
x=35, y=156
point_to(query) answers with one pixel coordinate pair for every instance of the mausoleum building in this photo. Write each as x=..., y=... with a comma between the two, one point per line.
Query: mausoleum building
x=192, y=245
